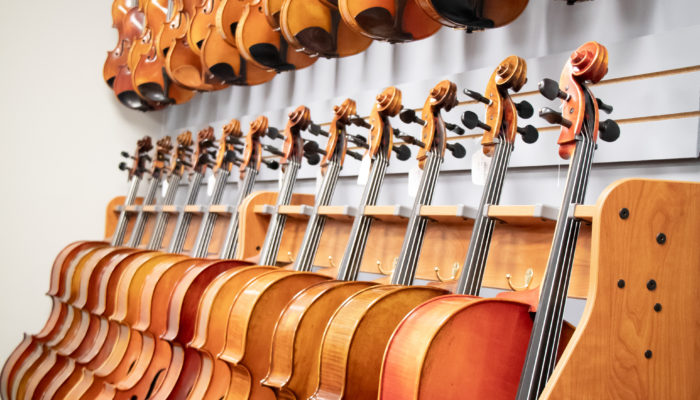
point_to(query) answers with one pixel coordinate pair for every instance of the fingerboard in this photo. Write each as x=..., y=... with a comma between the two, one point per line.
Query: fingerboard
x=142, y=217
x=177, y=242
x=228, y=249
x=120, y=230
x=206, y=228
x=162, y=219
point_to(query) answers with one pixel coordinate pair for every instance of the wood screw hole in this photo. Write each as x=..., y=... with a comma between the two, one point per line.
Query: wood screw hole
x=651, y=285
x=661, y=238
x=621, y=283
x=624, y=213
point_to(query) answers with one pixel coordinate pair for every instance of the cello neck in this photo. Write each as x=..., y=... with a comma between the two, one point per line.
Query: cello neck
x=228, y=249
x=177, y=242
x=120, y=231
x=156, y=241
x=141, y=216
x=206, y=228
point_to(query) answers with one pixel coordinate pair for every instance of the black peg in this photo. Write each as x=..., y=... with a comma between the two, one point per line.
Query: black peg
x=186, y=163
x=312, y=147
x=403, y=153
x=454, y=128
x=359, y=141
x=316, y=130
x=233, y=140
x=358, y=121
x=408, y=116
x=477, y=96
x=125, y=154
x=312, y=158
x=550, y=89
x=529, y=134
x=273, y=150
x=554, y=117
x=609, y=130
x=457, y=150
x=146, y=157
x=525, y=109
x=471, y=121
x=238, y=148
x=274, y=133
x=604, y=107
x=123, y=166
x=272, y=164
x=353, y=154
x=411, y=140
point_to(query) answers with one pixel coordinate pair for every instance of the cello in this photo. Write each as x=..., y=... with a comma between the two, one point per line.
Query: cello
x=488, y=338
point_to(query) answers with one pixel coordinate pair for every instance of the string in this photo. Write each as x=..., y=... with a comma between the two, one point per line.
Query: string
x=231, y=242
x=177, y=242
x=201, y=247
x=142, y=217
x=120, y=230
x=156, y=241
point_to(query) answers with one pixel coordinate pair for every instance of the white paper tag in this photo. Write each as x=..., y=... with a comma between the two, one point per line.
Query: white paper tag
x=210, y=185
x=280, y=179
x=164, y=188
x=319, y=180
x=414, y=176
x=365, y=166
x=480, y=167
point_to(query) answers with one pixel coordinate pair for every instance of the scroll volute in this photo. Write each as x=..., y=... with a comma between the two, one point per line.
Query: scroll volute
x=180, y=160
x=337, y=140
x=501, y=114
x=141, y=157
x=433, y=134
x=252, y=154
x=388, y=104
x=201, y=159
x=163, y=147
x=293, y=148
x=589, y=63
x=226, y=154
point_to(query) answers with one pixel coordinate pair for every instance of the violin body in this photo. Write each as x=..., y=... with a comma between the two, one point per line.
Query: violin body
x=473, y=15
x=389, y=20
x=295, y=350
x=318, y=29
x=357, y=335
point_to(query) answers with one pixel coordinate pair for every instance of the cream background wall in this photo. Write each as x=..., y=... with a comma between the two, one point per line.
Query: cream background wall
x=62, y=128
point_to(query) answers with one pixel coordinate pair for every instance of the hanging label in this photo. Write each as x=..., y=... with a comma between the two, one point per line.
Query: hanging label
x=319, y=180
x=164, y=188
x=210, y=185
x=480, y=167
x=414, y=176
x=365, y=166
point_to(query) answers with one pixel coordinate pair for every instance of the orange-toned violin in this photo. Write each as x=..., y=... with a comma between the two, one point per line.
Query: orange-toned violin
x=389, y=20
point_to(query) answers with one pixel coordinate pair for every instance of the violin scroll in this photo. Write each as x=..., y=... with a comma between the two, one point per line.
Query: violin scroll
x=226, y=156
x=293, y=148
x=388, y=104
x=204, y=156
x=164, y=146
x=252, y=154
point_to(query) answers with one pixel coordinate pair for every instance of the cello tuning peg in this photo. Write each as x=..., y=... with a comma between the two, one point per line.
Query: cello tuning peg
x=471, y=121
x=408, y=116
x=316, y=130
x=359, y=121
x=123, y=166
x=272, y=164
x=147, y=157
x=477, y=96
x=403, y=153
x=454, y=128
x=457, y=150
x=529, y=134
x=238, y=148
x=354, y=154
x=312, y=147
x=550, y=90
x=604, y=107
x=233, y=140
x=554, y=117
x=412, y=140
x=312, y=158
x=273, y=133
x=273, y=150
x=609, y=130
x=358, y=140
x=186, y=163
x=125, y=154
x=525, y=109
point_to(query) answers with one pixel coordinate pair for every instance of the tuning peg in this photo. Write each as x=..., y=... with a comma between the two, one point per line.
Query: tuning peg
x=125, y=154
x=146, y=157
x=312, y=158
x=409, y=116
x=273, y=133
x=550, y=90
x=454, y=128
x=272, y=164
x=312, y=147
x=609, y=130
x=186, y=163
x=471, y=121
x=123, y=166
x=273, y=150
x=359, y=121
x=403, y=153
x=353, y=154
x=238, y=148
x=411, y=140
x=358, y=140
x=316, y=130
x=554, y=117
x=604, y=107
x=457, y=150
x=477, y=96
x=529, y=134
x=525, y=109
x=233, y=140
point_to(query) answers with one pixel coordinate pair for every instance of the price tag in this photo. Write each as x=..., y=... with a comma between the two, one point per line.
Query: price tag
x=414, y=177
x=319, y=180
x=211, y=182
x=164, y=188
x=365, y=166
x=480, y=167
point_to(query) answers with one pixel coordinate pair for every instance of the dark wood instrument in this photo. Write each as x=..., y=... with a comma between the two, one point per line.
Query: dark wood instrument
x=476, y=15
x=389, y=20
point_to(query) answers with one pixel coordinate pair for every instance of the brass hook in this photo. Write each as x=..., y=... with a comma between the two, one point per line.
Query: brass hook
x=455, y=269
x=379, y=266
x=529, y=274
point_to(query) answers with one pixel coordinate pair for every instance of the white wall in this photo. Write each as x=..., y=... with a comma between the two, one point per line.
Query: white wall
x=63, y=129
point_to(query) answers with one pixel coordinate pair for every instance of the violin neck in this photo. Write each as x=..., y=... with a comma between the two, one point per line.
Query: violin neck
x=407, y=263
x=177, y=242
x=271, y=246
x=352, y=258
x=156, y=241
x=544, y=340
x=120, y=231
x=473, y=271
x=206, y=228
x=228, y=249
x=141, y=216
x=314, y=228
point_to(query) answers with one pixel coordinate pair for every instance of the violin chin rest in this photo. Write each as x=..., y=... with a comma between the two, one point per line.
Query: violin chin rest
x=132, y=100
x=269, y=55
x=316, y=39
x=379, y=22
x=225, y=72
x=153, y=92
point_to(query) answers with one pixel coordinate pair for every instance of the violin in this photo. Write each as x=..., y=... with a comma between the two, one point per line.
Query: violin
x=394, y=21
x=473, y=15
x=115, y=58
x=316, y=27
x=488, y=338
